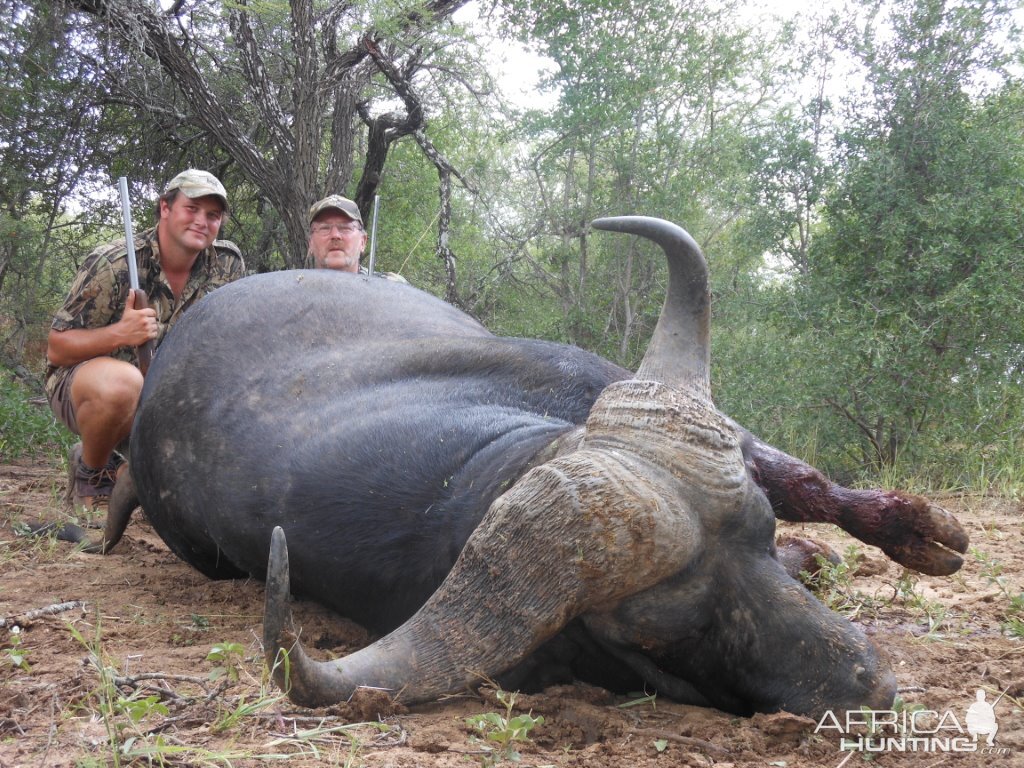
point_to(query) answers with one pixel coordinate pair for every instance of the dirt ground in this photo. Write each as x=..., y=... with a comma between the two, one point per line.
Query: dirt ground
x=128, y=668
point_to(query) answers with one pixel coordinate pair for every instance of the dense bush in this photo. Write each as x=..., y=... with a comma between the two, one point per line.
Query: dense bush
x=27, y=428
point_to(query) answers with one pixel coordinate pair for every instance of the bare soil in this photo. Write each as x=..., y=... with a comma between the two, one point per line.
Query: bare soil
x=149, y=622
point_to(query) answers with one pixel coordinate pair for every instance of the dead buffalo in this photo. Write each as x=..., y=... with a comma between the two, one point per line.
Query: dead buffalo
x=501, y=507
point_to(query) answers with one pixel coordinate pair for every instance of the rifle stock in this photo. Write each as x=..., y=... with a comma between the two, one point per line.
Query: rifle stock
x=144, y=352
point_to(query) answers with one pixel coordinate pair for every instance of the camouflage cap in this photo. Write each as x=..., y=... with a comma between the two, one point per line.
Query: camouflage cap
x=337, y=203
x=195, y=183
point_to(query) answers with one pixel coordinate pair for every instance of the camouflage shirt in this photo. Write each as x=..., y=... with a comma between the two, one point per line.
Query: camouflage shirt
x=100, y=289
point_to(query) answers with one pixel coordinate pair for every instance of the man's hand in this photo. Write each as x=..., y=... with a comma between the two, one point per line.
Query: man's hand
x=136, y=326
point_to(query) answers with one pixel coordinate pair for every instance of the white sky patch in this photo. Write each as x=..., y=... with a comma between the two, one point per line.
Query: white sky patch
x=516, y=68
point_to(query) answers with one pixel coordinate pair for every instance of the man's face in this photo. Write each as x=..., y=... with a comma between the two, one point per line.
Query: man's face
x=190, y=224
x=336, y=241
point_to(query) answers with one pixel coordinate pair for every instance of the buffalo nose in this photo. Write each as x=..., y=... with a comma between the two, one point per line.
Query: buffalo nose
x=880, y=685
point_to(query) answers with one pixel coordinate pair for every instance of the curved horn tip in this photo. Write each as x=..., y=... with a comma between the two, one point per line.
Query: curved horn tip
x=292, y=671
x=679, y=351
x=278, y=545
x=277, y=612
x=123, y=502
x=633, y=223
x=627, y=224
x=661, y=231
x=278, y=578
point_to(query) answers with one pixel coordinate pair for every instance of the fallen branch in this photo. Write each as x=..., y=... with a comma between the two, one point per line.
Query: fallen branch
x=134, y=680
x=24, y=619
x=165, y=691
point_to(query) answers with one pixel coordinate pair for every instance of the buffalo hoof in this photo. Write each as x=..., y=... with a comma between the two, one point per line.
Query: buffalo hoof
x=932, y=545
x=801, y=556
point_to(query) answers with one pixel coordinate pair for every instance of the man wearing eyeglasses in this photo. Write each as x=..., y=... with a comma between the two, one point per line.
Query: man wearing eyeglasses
x=336, y=234
x=337, y=237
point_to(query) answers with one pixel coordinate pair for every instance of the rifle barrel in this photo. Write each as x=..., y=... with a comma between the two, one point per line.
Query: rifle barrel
x=373, y=236
x=126, y=214
x=143, y=351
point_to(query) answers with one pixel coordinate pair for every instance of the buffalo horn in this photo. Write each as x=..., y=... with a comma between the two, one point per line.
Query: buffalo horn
x=679, y=352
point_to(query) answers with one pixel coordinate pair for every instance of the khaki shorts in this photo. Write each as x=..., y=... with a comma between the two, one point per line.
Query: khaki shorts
x=60, y=398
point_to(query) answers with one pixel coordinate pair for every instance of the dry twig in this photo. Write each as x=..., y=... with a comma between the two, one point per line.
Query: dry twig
x=28, y=617
x=704, y=746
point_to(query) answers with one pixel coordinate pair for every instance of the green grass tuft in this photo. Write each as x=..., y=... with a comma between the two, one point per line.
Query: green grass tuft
x=27, y=427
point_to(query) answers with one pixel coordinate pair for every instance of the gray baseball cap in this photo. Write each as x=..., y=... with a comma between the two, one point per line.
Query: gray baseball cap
x=337, y=203
x=194, y=183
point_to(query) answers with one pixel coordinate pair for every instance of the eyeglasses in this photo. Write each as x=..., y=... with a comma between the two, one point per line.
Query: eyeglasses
x=323, y=228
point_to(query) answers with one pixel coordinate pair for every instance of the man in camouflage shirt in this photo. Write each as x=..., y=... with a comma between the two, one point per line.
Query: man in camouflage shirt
x=92, y=379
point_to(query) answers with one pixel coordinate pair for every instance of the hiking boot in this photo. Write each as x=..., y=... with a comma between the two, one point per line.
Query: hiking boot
x=89, y=489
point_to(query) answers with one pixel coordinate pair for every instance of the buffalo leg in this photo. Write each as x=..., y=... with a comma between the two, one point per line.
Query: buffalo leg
x=799, y=555
x=910, y=529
